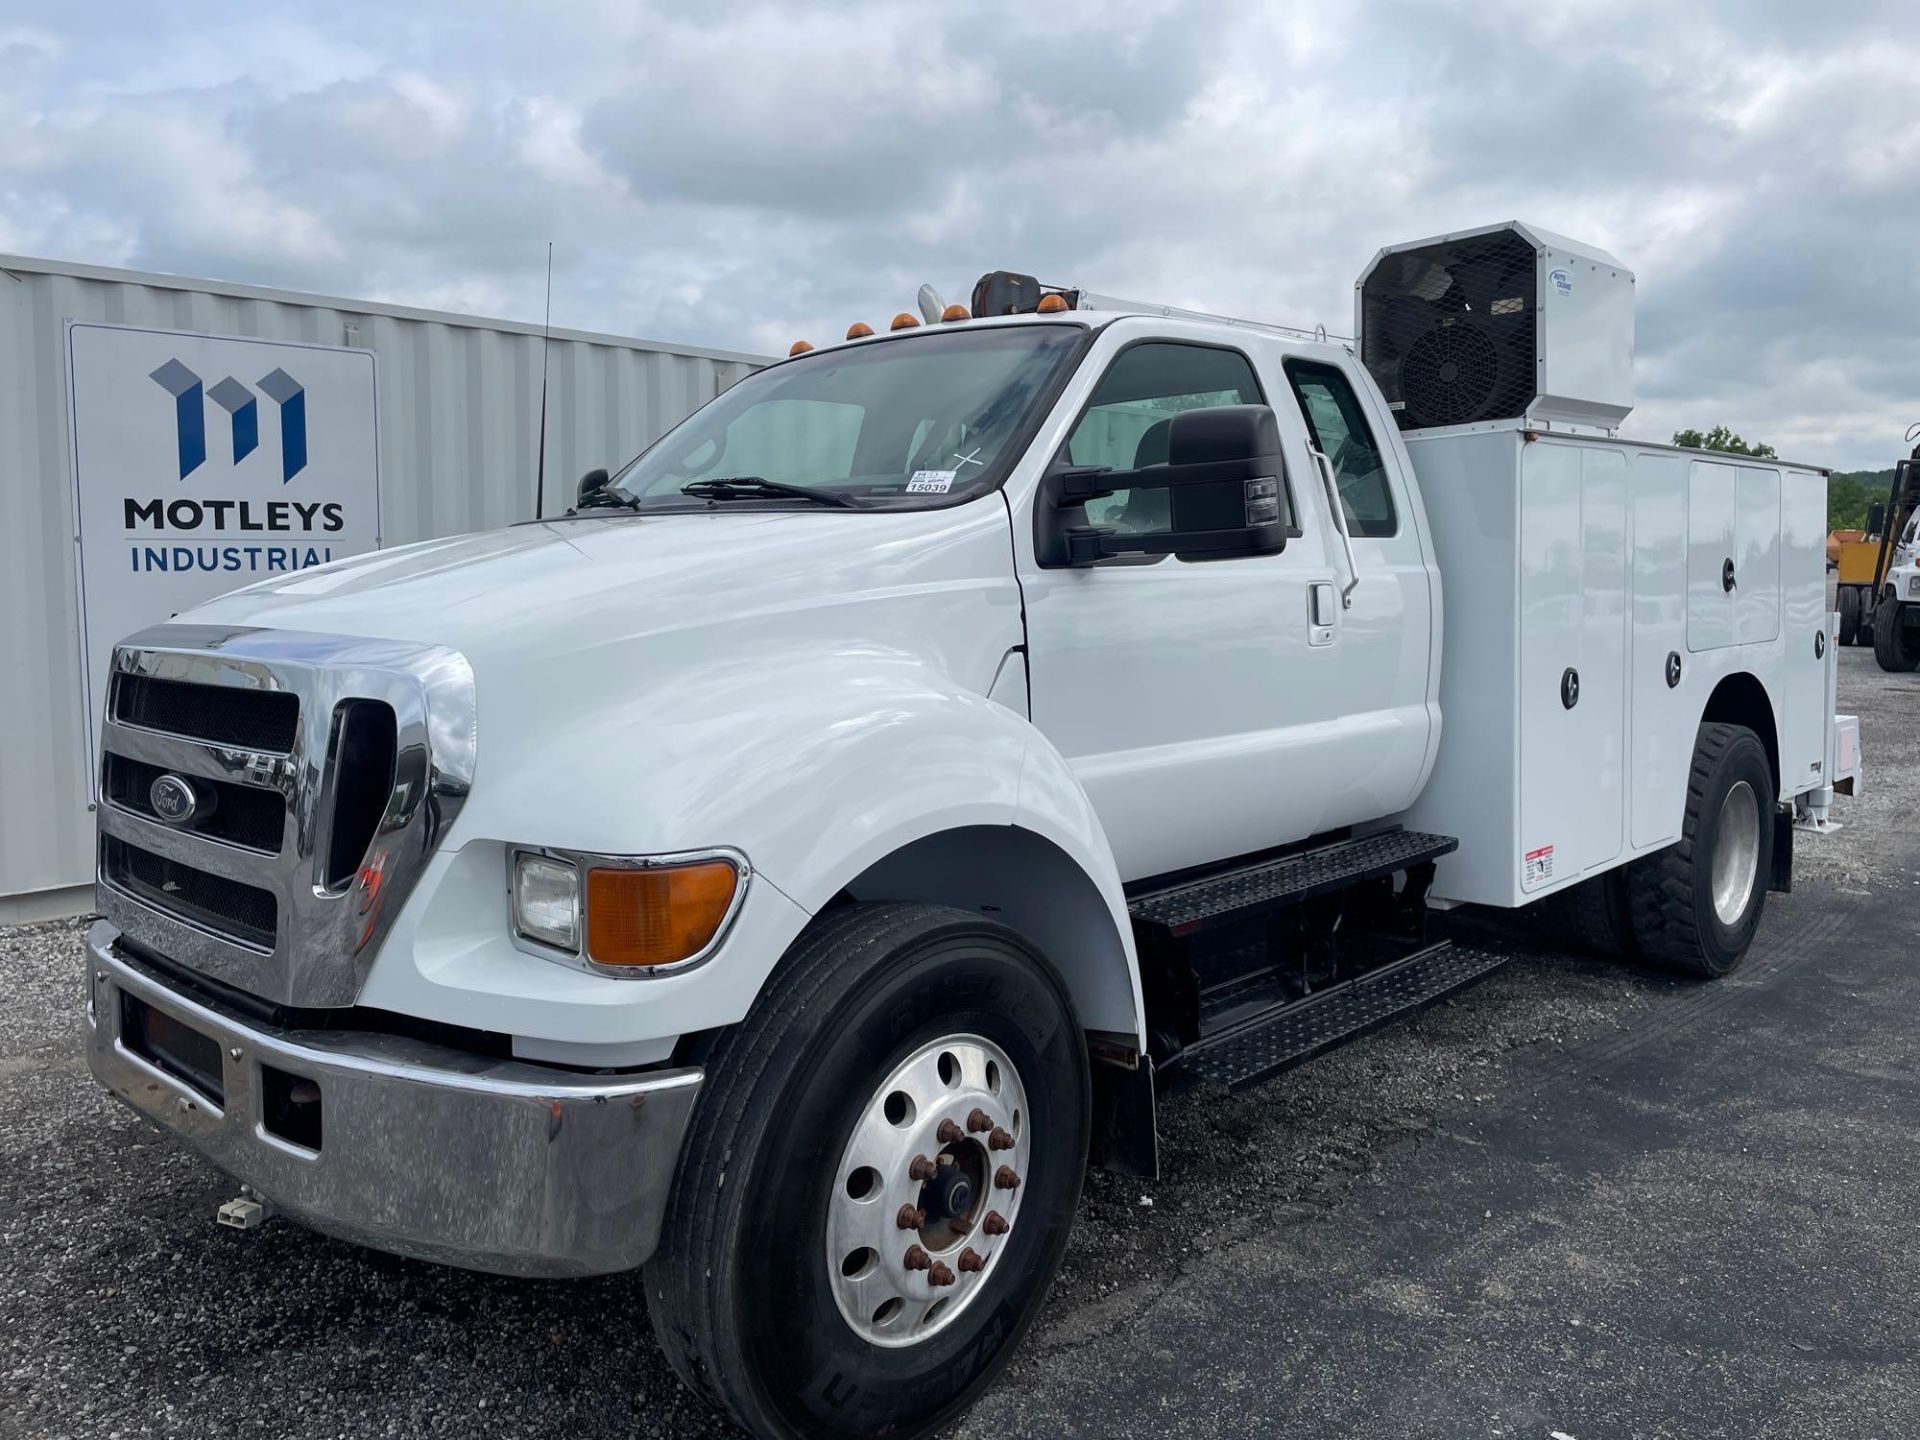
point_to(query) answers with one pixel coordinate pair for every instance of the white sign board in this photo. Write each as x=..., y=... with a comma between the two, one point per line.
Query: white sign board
x=202, y=463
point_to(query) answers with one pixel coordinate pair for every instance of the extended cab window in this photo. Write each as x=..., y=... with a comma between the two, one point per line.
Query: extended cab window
x=1340, y=432
x=1125, y=424
x=913, y=421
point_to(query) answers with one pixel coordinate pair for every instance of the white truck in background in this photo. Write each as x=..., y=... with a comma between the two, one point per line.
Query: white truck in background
x=789, y=868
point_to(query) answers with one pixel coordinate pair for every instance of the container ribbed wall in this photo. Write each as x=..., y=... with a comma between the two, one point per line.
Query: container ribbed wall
x=459, y=430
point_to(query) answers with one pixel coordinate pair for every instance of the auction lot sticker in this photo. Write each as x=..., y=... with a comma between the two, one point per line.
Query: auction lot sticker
x=203, y=463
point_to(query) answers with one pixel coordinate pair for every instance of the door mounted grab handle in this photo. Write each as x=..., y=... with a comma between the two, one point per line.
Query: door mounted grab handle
x=1339, y=514
x=1726, y=576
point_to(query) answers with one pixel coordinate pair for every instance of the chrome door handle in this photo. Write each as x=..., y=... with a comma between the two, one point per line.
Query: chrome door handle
x=1320, y=612
x=1339, y=514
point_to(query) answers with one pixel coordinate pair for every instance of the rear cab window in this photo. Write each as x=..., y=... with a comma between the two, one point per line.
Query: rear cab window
x=1337, y=422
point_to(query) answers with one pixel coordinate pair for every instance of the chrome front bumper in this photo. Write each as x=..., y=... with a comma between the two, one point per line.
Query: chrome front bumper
x=423, y=1150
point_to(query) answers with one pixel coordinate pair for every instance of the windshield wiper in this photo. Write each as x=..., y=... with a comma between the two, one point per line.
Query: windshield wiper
x=609, y=499
x=755, y=487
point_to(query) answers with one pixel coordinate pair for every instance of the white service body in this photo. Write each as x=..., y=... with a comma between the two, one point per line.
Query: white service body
x=1605, y=557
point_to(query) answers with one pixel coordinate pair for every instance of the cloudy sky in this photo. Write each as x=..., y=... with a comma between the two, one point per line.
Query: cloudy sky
x=738, y=175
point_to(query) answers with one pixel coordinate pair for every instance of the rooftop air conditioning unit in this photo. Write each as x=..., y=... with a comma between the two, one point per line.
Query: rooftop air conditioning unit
x=1506, y=322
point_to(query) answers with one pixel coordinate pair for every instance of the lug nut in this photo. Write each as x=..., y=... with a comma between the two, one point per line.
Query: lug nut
x=995, y=1223
x=1000, y=1139
x=1005, y=1179
x=921, y=1168
x=979, y=1121
x=917, y=1258
x=972, y=1260
x=910, y=1218
x=940, y=1274
x=949, y=1133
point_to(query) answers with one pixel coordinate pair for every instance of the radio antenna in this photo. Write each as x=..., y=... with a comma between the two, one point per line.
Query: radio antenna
x=546, y=339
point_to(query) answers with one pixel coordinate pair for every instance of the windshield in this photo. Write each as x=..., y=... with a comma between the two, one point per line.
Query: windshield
x=907, y=422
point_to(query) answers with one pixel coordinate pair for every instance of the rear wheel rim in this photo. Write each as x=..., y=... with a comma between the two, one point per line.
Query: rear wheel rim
x=900, y=1277
x=1736, y=853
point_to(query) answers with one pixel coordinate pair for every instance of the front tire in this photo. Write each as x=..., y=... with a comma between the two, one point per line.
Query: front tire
x=883, y=1032
x=1694, y=907
x=1894, y=645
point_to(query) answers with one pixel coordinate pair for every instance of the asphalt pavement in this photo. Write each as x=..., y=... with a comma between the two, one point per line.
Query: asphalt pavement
x=1577, y=1200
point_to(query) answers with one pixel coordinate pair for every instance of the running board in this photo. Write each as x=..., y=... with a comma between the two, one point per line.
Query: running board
x=1263, y=1045
x=1224, y=896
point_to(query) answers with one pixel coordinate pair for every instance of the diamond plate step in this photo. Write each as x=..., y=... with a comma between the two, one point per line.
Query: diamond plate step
x=1228, y=895
x=1264, y=1045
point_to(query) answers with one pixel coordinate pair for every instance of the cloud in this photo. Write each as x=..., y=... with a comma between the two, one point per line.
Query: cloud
x=742, y=173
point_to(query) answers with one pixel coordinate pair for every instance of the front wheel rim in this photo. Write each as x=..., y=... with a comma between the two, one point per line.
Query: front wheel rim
x=928, y=1191
x=1736, y=853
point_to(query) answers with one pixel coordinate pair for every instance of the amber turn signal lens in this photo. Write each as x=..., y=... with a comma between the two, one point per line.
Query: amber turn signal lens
x=1051, y=305
x=657, y=916
x=955, y=312
x=859, y=330
x=904, y=321
x=799, y=347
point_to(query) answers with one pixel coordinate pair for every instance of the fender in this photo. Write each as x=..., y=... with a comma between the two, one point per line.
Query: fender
x=817, y=761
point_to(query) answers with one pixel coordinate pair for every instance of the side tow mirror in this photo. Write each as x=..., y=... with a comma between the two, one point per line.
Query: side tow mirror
x=1223, y=480
x=591, y=483
x=1876, y=518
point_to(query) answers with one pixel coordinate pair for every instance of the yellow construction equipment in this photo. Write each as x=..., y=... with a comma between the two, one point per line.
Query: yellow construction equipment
x=1863, y=556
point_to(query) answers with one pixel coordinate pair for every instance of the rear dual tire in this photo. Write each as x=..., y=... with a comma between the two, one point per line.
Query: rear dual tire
x=1695, y=906
x=748, y=1292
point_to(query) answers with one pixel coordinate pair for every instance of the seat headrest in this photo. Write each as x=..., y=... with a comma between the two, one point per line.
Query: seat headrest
x=1152, y=449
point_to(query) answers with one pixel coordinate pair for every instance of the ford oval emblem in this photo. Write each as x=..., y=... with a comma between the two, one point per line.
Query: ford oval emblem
x=173, y=799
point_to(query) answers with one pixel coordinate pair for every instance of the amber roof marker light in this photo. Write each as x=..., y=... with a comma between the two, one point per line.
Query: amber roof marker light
x=953, y=313
x=859, y=330
x=799, y=347
x=1050, y=305
x=904, y=321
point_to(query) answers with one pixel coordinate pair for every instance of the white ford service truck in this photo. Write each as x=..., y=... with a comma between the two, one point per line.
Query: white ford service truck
x=790, y=868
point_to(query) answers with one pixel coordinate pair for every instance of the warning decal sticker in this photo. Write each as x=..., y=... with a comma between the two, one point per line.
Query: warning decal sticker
x=1537, y=867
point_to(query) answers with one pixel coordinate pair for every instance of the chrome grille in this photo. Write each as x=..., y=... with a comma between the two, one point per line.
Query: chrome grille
x=318, y=825
x=223, y=715
x=241, y=814
x=244, y=912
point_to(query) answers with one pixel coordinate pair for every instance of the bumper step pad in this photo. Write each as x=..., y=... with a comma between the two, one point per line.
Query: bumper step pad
x=1222, y=897
x=1265, y=1044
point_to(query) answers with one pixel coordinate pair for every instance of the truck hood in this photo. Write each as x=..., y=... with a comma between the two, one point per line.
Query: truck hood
x=573, y=585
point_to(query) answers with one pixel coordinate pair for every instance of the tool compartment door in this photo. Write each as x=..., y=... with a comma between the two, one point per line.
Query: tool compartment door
x=1573, y=649
x=1712, y=500
x=1756, y=593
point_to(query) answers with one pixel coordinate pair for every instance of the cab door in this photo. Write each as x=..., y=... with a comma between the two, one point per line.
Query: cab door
x=1207, y=706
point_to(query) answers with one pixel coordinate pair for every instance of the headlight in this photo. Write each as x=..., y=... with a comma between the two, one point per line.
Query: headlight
x=631, y=914
x=546, y=901
x=1913, y=585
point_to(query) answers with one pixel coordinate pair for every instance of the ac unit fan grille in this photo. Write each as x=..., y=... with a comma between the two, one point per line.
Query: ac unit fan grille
x=1448, y=330
x=1451, y=371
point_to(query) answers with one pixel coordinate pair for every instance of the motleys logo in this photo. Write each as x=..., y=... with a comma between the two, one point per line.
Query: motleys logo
x=190, y=416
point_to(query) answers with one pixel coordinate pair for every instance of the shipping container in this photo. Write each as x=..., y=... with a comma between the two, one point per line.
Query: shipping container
x=458, y=428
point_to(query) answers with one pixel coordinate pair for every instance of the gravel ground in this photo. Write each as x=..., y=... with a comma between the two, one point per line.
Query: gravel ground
x=1575, y=1199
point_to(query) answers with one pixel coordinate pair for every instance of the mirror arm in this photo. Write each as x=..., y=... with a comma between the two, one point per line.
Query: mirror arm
x=1077, y=485
x=1339, y=514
